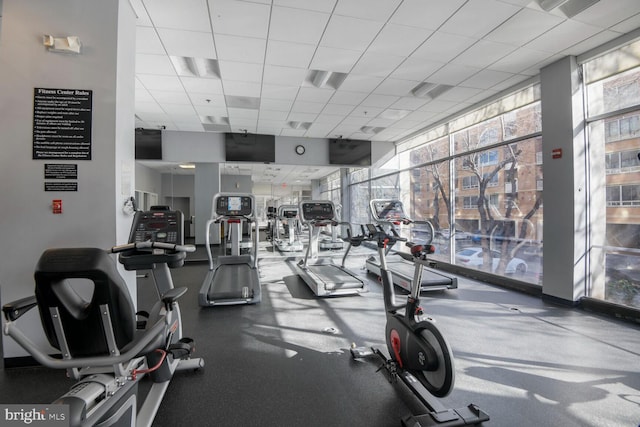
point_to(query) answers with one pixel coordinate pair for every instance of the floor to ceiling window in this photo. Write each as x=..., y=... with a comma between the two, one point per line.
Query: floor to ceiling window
x=613, y=110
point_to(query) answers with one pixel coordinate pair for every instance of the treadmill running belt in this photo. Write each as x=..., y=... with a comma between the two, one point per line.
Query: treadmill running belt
x=229, y=281
x=334, y=277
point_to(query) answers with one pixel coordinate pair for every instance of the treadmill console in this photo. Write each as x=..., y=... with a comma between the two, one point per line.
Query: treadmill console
x=236, y=205
x=388, y=210
x=317, y=211
x=157, y=226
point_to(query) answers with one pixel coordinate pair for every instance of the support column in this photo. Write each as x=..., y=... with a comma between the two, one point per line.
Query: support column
x=92, y=214
x=207, y=184
x=566, y=215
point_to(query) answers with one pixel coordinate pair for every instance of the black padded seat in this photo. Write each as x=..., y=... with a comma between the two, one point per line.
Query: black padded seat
x=81, y=317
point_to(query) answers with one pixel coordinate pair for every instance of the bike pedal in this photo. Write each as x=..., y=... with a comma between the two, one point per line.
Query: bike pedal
x=182, y=348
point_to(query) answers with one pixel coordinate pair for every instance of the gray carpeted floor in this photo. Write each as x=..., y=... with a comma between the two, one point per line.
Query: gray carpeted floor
x=286, y=361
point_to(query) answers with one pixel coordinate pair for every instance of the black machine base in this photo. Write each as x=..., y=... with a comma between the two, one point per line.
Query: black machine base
x=439, y=415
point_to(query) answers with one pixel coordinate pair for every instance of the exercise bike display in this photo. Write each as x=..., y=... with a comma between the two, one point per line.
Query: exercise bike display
x=419, y=354
x=88, y=315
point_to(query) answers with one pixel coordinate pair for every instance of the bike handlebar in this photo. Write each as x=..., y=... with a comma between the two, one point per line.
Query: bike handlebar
x=152, y=245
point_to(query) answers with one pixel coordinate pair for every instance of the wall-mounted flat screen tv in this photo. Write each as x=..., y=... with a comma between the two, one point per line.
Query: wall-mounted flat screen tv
x=350, y=152
x=247, y=147
x=148, y=144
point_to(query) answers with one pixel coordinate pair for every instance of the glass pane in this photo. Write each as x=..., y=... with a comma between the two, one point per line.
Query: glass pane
x=430, y=152
x=499, y=221
x=359, y=209
x=614, y=93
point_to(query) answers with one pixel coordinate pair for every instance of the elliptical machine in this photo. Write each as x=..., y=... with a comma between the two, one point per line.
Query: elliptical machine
x=420, y=355
x=88, y=315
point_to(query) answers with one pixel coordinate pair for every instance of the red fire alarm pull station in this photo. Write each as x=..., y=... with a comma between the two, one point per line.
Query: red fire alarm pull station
x=556, y=153
x=57, y=206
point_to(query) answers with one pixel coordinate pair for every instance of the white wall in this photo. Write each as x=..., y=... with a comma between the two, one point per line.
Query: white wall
x=92, y=216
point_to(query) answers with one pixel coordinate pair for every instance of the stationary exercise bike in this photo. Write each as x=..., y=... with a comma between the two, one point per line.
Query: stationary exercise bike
x=88, y=315
x=419, y=354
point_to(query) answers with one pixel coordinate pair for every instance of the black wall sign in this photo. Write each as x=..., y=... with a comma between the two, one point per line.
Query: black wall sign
x=60, y=171
x=60, y=186
x=62, y=124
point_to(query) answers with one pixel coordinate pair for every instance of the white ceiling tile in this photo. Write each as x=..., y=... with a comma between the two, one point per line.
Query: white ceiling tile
x=302, y=117
x=337, y=109
x=382, y=101
x=240, y=18
x=592, y=42
x=333, y=59
x=284, y=76
x=236, y=88
x=170, y=83
x=483, y=53
x=398, y=40
x=380, y=65
x=347, y=97
x=563, y=36
x=511, y=81
x=367, y=112
x=478, y=17
x=276, y=104
x=486, y=79
x=330, y=119
x=204, y=110
x=375, y=10
x=180, y=112
x=188, y=43
x=320, y=130
x=147, y=41
x=395, y=87
x=142, y=18
x=452, y=74
x=378, y=121
x=458, y=94
x=429, y=14
x=536, y=68
x=307, y=107
x=313, y=94
x=288, y=93
x=273, y=115
x=207, y=99
x=143, y=95
x=519, y=60
x=289, y=54
x=523, y=27
x=437, y=105
x=297, y=25
x=162, y=96
x=154, y=64
x=241, y=71
x=202, y=85
x=355, y=120
x=190, y=127
x=243, y=113
x=443, y=47
x=148, y=108
x=360, y=83
x=605, y=14
x=316, y=5
x=628, y=25
x=416, y=69
x=183, y=15
x=409, y=103
x=293, y=132
x=240, y=49
x=349, y=33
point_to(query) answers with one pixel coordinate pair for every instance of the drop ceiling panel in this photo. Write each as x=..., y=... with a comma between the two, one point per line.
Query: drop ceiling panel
x=162, y=96
x=349, y=33
x=276, y=104
x=241, y=88
x=201, y=85
x=347, y=97
x=240, y=18
x=142, y=18
x=183, y=15
x=188, y=43
x=287, y=93
x=380, y=65
x=241, y=71
x=368, y=112
x=381, y=101
x=605, y=14
x=523, y=27
x=477, y=18
x=334, y=59
x=483, y=53
x=396, y=87
x=170, y=83
x=313, y=94
x=289, y=54
x=147, y=41
x=154, y=64
x=452, y=74
x=327, y=118
x=336, y=110
x=273, y=115
x=628, y=25
x=485, y=79
x=240, y=49
x=181, y=113
x=563, y=36
x=284, y=76
x=429, y=14
x=297, y=25
x=374, y=10
x=443, y=47
x=519, y=60
x=360, y=83
x=592, y=42
x=315, y=5
x=398, y=40
x=416, y=69
x=307, y=107
x=409, y=103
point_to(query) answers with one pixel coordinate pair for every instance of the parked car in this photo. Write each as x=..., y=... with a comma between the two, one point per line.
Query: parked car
x=472, y=257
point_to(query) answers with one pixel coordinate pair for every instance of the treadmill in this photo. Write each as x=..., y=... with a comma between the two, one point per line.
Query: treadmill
x=322, y=276
x=290, y=241
x=390, y=214
x=231, y=279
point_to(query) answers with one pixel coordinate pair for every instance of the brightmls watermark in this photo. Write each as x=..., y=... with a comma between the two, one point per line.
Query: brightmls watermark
x=34, y=415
